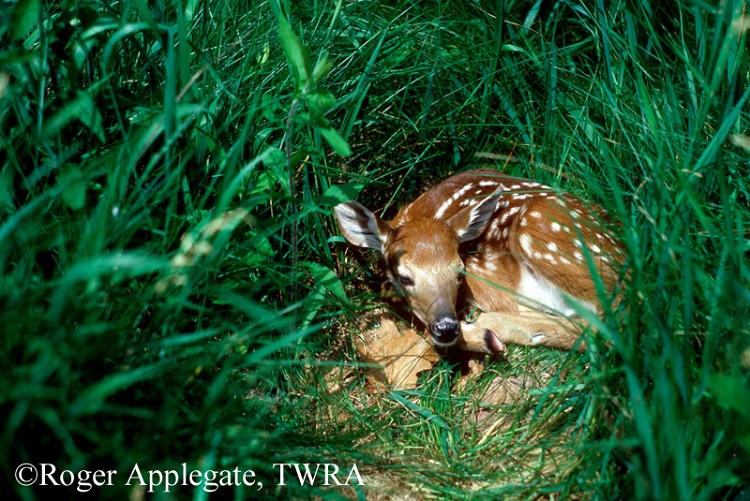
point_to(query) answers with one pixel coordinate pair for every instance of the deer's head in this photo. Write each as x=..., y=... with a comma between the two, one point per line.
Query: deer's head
x=422, y=257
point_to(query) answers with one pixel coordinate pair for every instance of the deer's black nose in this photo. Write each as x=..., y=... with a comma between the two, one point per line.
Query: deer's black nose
x=445, y=331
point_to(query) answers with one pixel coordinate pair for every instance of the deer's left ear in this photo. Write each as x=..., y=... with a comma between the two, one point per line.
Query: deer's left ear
x=471, y=222
x=361, y=227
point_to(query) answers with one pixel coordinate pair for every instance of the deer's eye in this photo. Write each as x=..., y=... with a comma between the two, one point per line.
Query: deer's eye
x=405, y=280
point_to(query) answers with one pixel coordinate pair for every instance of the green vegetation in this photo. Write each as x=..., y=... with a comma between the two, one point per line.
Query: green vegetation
x=169, y=266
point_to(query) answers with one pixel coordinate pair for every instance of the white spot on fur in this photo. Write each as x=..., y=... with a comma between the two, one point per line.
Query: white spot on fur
x=493, y=233
x=555, y=227
x=457, y=195
x=525, y=242
x=552, y=246
x=508, y=213
x=477, y=270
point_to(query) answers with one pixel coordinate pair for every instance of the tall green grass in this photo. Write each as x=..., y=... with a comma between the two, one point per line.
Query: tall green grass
x=169, y=266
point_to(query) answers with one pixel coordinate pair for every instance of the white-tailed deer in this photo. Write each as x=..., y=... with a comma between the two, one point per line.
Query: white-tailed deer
x=520, y=251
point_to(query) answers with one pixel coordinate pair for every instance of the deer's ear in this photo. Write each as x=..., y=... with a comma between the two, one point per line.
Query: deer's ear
x=361, y=227
x=471, y=222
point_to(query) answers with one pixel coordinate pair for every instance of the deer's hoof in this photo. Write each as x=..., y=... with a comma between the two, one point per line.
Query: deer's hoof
x=476, y=338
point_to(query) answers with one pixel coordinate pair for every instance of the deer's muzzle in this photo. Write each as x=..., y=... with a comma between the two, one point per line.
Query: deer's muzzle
x=445, y=330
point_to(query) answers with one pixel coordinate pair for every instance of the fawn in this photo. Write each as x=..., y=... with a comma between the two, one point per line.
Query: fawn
x=519, y=251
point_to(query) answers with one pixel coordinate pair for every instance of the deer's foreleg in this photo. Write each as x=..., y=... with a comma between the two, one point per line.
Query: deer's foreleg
x=527, y=327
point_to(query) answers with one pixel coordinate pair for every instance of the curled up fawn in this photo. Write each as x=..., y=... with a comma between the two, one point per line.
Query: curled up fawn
x=517, y=250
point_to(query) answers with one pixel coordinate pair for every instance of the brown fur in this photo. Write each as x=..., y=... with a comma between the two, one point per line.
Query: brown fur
x=523, y=247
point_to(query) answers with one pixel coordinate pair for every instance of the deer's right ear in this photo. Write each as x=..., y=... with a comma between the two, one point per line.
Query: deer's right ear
x=471, y=222
x=360, y=226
